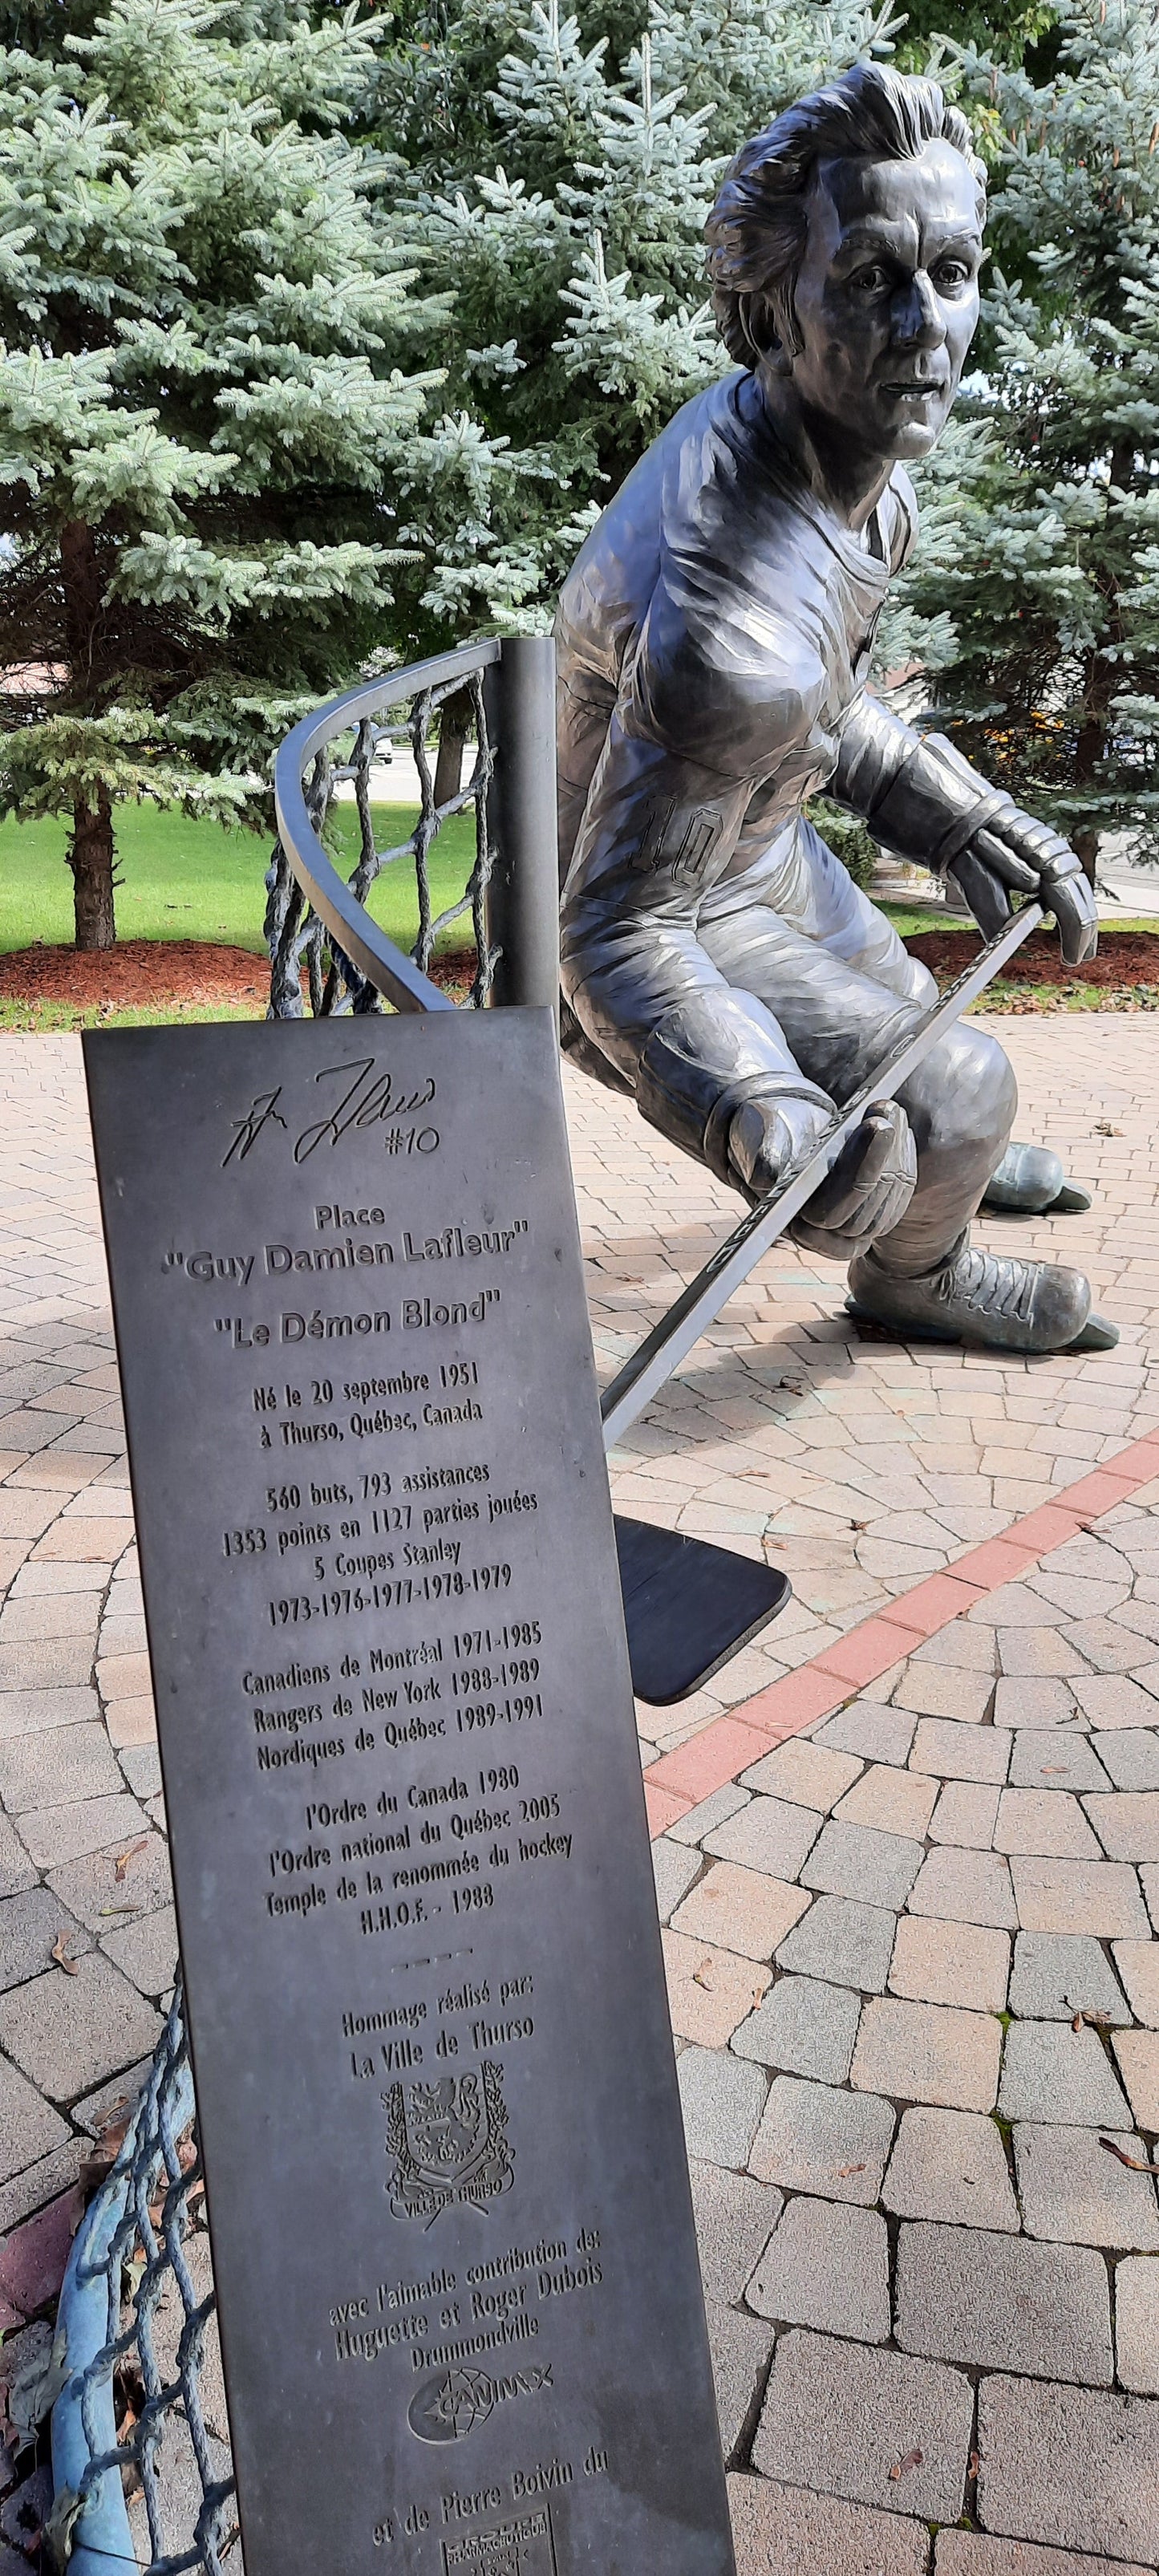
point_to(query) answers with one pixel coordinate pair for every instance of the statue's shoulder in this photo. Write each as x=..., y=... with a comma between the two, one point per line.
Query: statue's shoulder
x=703, y=460
x=743, y=556
x=723, y=465
x=604, y=600
x=732, y=658
x=708, y=577
x=606, y=594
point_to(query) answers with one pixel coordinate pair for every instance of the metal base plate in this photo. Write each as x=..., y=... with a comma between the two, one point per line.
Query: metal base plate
x=404, y=1790
x=688, y=1607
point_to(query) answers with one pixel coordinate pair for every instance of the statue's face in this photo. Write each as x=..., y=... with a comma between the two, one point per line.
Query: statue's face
x=886, y=297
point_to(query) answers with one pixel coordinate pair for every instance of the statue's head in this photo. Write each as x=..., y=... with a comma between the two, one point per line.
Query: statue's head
x=844, y=250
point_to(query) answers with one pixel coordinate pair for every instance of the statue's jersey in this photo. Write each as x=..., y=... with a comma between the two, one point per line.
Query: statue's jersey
x=714, y=638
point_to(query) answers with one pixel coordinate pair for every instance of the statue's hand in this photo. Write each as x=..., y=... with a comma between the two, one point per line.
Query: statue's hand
x=766, y=1137
x=869, y=1187
x=1016, y=853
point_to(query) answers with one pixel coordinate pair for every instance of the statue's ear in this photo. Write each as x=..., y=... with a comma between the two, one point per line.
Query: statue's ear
x=758, y=321
x=769, y=325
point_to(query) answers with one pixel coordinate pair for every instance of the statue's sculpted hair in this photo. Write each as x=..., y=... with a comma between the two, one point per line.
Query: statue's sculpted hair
x=756, y=231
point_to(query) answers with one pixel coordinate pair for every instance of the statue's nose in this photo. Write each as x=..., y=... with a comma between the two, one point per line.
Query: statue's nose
x=919, y=315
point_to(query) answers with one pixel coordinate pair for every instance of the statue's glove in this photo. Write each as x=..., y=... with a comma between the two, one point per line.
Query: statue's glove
x=921, y=798
x=716, y=1076
x=1013, y=853
x=868, y=1189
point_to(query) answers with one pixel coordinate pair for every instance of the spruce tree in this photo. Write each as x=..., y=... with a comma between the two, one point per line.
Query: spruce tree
x=326, y=341
x=553, y=172
x=551, y=177
x=1051, y=582
x=217, y=420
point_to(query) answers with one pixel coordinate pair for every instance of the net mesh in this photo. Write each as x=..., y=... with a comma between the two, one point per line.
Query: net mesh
x=150, y=2401
x=299, y=944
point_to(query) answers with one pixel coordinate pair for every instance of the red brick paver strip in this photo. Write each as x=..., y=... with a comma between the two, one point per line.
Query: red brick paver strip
x=869, y=1650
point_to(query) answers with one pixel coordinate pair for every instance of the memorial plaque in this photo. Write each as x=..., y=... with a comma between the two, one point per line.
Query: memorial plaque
x=460, y=2304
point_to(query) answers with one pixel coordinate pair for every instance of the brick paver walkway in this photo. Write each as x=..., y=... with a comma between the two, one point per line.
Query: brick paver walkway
x=913, y=1976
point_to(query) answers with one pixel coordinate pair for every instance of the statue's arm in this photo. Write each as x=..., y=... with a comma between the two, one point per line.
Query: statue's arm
x=922, y=799
x=709, y=1065
x=918, y=794
x=657, y=831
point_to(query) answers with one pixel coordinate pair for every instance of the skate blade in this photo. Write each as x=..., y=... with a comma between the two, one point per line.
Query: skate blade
x=1070, y=1200
x=1096, y=1335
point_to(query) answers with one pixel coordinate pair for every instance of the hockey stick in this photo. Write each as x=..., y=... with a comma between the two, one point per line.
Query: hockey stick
x=700, y=1303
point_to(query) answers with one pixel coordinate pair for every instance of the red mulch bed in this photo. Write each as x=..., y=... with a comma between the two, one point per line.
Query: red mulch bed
x=164, y=974
x=1125, y=957
x=158, y=974
x=137, y=973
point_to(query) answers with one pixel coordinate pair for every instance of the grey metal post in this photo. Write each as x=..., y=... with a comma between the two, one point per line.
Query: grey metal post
x=522, y=902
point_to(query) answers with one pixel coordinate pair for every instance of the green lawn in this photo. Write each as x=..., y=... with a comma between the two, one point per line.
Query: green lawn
x=40, y=1017
x=909, y=919
x=195, y=880
x=191, y=880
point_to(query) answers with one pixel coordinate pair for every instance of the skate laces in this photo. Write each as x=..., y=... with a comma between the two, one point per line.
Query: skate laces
x=989, y=1282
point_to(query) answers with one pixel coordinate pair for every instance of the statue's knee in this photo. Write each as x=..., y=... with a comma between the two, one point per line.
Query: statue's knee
x=964, y=1096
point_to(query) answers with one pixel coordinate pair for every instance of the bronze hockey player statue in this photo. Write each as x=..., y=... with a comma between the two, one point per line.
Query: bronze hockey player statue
x=714, y=643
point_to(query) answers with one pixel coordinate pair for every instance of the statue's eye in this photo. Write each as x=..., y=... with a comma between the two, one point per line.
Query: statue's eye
x=952, y=273
x=871, y=280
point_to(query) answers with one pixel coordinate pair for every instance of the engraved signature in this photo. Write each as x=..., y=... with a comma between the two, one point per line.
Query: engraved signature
x=263, y=1107
x=370, y=1097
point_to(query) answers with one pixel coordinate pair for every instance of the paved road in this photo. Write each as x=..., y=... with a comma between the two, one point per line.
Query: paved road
x=913, y=1974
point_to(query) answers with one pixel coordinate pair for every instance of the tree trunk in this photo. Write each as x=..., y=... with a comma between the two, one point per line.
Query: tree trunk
x=1088, y=753
x=92, y=850
x=1103, y=677
x=90, y=856
x=453, y=723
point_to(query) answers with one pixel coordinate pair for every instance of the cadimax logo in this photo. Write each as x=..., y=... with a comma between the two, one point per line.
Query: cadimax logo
x=450, y=2403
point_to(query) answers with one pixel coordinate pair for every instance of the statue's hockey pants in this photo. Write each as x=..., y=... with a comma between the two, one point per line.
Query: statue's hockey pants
x=834, y=973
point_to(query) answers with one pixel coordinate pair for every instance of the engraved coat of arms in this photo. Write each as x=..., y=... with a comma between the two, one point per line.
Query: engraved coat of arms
x=448, y=2141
